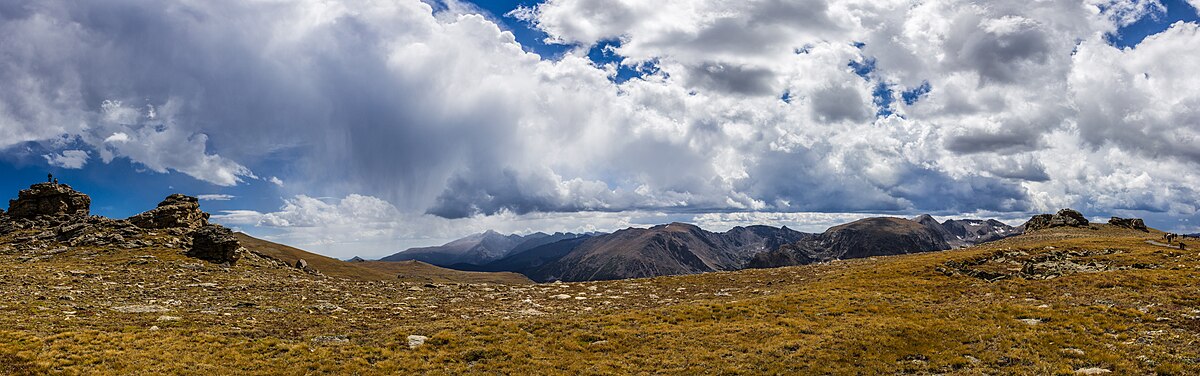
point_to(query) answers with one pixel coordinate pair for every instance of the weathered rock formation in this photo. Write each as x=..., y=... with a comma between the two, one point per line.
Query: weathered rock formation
x=1064, y=218
x=1131, y=223
x=176, y=211
x=215, y=243
x=49, y=199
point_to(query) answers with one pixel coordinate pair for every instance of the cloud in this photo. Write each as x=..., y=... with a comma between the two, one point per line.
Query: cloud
x=415, y=113
x=69, y=159
x=1141, y=99
x=216, y=197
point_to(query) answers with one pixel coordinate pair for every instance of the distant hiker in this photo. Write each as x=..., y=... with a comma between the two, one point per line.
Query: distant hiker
x=55, y=181
x=50, y=178
x=1182, y=246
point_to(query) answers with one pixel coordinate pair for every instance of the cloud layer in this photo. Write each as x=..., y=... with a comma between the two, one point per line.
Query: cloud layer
x=754, y=106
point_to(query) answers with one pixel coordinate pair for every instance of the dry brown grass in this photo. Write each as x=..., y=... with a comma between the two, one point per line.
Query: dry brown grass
x=882, y=315
x=416, y=271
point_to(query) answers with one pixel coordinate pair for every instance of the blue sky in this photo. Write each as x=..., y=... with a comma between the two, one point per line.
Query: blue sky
x=416, y=124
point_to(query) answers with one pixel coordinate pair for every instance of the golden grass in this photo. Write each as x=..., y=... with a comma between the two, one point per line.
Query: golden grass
x=881, y=315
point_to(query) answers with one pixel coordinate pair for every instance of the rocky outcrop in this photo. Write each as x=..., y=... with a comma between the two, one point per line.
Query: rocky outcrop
x=49, y=199
x=176, y=211
x=1130, y=223
x=1064, y=218
x=216, y=244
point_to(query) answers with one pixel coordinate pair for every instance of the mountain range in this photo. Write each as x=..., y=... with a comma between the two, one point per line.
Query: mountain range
x=680, y=248
x=479, y=249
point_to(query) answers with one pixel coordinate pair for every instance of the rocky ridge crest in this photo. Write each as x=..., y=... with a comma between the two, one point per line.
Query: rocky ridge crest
x=47, y=218
x=1064, y=218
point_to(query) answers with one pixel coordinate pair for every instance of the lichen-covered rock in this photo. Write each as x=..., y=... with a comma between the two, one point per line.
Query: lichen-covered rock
x=49, y=199
x=1069, y=217
x=1064, y=218
x=176, y=211
x=216, y=244
x=1131, y=223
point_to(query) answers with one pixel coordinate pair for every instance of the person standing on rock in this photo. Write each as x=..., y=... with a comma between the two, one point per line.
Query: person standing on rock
x=50, y=177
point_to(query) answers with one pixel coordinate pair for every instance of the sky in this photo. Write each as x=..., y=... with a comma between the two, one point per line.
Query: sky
x=364, y=127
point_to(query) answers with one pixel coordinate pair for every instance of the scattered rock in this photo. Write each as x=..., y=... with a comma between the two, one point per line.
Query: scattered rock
x=1073, y=351
x=176, y=211
x=1092, y=371
x=327, y=307
x=415, y=341
x=301, y=264
x=1064, y=218
x=49, y=199
x=216, y=244
x=168, y=318
x=560, y=296
x=1130, y=223
x=321, y=340
x=1030, y=321
x=140, y=309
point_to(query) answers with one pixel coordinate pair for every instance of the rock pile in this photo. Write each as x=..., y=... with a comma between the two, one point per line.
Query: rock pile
x=217, y=244
x=176, y=211
x=49, y=199
x=1130, y=223
x=51, y=216
x=1064, y=218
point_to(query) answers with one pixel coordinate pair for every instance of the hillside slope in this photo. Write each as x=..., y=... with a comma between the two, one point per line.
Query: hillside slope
x=326, y=265
x=416, y=271
x=1057, y=301
x=175, y=295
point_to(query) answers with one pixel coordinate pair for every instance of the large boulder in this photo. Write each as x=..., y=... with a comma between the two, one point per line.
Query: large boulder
x=215, y=243
x=176, y=211
x=1064, y=218
x=49, y=199
x=1130, y=223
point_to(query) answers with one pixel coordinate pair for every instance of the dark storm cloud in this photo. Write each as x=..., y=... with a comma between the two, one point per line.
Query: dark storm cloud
x=1026, y=169
x=839, y=103
x=728, y=78
x=998, y=49
x=804, y=180
x=1008, y=140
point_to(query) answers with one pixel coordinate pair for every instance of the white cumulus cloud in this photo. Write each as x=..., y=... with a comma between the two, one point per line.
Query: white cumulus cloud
x=69, y=159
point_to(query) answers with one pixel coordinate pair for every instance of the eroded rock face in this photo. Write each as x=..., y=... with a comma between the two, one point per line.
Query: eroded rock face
x=216, y=244
x=1131, y=223
x=1065, y=217
x=49, y=199
x=176, y=211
